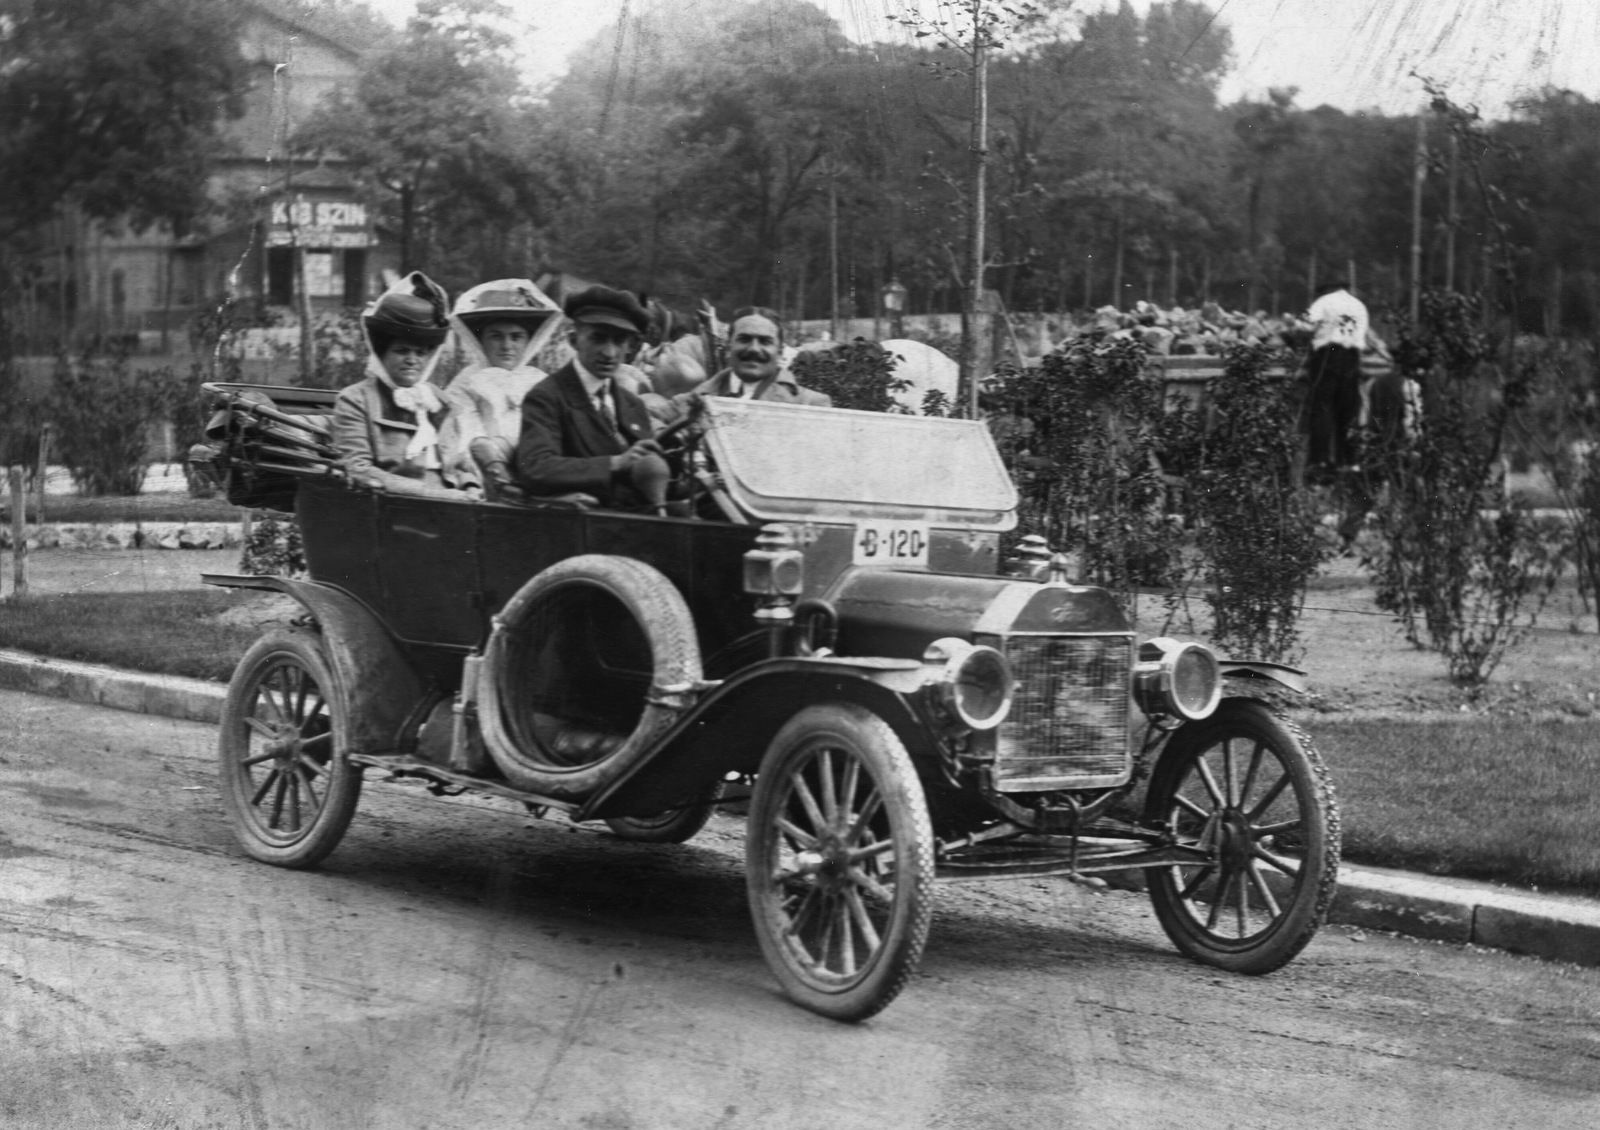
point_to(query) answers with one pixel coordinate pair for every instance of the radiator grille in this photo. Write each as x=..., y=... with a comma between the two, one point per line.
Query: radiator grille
x=1071, y=714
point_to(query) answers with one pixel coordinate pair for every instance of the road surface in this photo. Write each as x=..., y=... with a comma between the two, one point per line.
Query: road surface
x=457, y=963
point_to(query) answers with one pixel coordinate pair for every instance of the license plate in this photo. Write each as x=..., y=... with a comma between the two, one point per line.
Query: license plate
x=891, y=543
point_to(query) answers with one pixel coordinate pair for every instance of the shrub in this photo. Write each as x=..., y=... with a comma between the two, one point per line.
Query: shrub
x=1082, y=435
x=102, y=410
x=857, y=375
x=1464, y=571
x=1259, y=540
x=273, y=548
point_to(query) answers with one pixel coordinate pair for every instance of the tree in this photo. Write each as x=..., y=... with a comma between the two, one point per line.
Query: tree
x=111, y=113
x=113, y=109
x=1266, y=130
x=430, y=122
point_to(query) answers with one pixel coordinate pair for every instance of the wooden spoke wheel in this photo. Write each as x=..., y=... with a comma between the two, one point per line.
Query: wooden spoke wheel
x=287, y=787
x=1246, y=787
x=839, y=856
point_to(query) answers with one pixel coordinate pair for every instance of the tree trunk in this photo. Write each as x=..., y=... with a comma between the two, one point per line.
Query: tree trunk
x=407, y=229
x=1116, y=264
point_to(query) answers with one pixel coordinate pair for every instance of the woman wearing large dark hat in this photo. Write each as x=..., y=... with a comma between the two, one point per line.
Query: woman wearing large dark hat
x=387, y=426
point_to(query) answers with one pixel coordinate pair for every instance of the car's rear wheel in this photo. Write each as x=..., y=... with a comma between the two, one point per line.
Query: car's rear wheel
x=674, y=826
x=1248, y=788
x=839, y=861
x=287, y=785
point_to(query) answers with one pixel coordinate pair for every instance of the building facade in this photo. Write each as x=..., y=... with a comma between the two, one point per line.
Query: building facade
x=98, y=281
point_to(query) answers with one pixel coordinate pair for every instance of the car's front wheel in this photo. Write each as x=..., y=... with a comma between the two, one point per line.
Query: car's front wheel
x=1247, y=788
x=839, y=861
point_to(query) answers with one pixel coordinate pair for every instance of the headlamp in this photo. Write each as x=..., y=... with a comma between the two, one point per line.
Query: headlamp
x=1178, y=679
x=971, y=682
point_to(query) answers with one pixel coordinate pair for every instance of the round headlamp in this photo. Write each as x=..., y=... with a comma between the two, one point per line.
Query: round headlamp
x=972, y=682
x=1178, y=679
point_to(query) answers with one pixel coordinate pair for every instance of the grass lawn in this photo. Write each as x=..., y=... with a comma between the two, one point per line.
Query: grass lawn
x=164, y=506
x=172, y=632
x=1478, y=798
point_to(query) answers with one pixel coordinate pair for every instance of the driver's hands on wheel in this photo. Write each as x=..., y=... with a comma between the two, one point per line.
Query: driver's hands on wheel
x=639, y=451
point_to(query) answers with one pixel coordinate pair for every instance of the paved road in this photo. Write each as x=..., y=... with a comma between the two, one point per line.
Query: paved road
x=457, y=964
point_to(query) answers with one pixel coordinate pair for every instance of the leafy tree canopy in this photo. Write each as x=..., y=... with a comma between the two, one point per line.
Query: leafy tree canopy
x=113, y=108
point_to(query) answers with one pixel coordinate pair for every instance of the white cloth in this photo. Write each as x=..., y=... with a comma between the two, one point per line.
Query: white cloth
x=420, y=400
x=1338, y=318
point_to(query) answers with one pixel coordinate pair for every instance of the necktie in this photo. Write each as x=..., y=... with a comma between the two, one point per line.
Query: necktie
x=608, y=410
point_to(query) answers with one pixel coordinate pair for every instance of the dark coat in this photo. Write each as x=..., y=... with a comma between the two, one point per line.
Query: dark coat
x=567, y=445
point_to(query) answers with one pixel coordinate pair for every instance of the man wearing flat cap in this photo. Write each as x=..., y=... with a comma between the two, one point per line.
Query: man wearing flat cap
x=581, y=431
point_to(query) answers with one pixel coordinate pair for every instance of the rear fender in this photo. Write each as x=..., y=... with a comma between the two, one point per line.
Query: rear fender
x=380, y=689
x=730, y=728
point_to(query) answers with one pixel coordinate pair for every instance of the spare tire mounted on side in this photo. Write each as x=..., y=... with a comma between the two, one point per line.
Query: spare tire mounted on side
x=588, y=664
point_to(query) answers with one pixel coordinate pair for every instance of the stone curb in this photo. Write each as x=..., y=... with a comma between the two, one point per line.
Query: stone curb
x=1555, y=927
x=138, y=691
x=128, y=535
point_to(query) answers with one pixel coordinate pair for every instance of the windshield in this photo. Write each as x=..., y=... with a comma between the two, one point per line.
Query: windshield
x=786, y=461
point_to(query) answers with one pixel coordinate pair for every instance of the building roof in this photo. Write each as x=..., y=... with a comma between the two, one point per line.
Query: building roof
x=311, y=18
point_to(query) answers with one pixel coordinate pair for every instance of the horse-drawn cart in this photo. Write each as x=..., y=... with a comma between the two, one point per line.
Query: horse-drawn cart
x=841, y=638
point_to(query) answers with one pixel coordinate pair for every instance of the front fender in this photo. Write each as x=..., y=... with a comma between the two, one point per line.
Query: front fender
x=729, y=729
x=380, y=688
x=1291, y=677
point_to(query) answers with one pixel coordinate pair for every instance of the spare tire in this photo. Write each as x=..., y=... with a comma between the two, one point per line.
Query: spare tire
x=587, y=665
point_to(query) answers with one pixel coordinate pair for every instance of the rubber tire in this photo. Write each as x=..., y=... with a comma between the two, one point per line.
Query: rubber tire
x=660, y=611
x=817, y=984
x=1252, y=725
x=281, y=663
x=675, y=826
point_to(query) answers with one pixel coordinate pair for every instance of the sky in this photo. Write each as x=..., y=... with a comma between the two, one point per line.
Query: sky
x=1353, y=54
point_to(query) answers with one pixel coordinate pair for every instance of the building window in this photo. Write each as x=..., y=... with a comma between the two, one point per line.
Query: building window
x=280, y=276
x=355, y=277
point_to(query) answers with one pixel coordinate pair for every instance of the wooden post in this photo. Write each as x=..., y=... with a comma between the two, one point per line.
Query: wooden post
x=19, y=531
x=43, y=469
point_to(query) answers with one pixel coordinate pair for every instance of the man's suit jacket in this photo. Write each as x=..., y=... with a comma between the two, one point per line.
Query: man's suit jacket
x=567, y=445
x=782, y=389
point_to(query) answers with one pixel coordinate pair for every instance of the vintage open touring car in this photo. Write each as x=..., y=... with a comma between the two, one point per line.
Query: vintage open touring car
x=833, y=631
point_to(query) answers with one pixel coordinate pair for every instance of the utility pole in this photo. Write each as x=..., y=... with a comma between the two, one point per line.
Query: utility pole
x=1452, y=217
x=833, y=255
x=974, y=334
x=1419, y=175
x=299, y=295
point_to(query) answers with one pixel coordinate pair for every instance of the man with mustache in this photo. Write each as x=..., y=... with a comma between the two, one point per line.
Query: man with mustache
x=755, y=364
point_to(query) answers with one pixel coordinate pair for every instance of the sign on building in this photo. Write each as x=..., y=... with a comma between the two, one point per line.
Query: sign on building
x=327, y=224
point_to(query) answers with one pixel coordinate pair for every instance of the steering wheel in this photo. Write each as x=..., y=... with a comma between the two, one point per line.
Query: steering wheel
x=679, y=442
